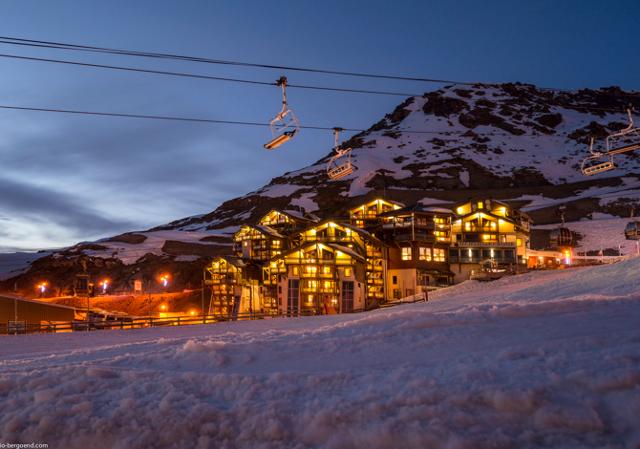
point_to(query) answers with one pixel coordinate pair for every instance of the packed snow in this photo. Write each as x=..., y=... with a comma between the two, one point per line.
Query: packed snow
x=542, y=360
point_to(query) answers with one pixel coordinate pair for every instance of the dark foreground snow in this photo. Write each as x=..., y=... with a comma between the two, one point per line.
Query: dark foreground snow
x=548, y=359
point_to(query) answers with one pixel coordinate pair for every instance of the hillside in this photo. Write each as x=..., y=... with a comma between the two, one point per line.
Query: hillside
x=511, y=141
x=456, y=372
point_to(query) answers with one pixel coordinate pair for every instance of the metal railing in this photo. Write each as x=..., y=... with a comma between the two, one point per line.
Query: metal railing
x=21, y=327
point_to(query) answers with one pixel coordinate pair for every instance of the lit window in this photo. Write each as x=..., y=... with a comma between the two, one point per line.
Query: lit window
x=424, y=254
x=276, y=243
x=326, y=269
x=480, y=205
x=438, y=255
x=347, y=272
x=296, y=271
x=406, y=253
x=518, y=242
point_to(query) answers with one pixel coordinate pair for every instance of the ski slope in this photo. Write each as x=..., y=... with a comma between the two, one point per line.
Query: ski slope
x=546, y=359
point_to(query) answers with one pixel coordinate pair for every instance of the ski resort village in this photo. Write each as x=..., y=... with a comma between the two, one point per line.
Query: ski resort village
x=246, y=225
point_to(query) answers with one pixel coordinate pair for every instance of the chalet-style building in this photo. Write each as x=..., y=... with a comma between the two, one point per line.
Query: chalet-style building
x=485, y=229
x=418, y=239
x=366, y=216
x=336, y=268
x=234, y=286
x=293, y=263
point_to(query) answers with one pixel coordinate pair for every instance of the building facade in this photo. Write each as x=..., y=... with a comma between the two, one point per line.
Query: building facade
x=292, y=263
x=484, y=229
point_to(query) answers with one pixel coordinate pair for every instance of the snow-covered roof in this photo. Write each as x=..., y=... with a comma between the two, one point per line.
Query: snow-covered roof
x=346, y=250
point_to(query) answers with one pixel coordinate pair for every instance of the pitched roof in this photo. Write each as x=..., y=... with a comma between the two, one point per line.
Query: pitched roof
x=346, y=250
x=417, y=208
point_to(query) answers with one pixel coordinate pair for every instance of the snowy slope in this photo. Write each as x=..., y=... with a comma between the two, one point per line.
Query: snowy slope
x=546, y=359
x=458, y=138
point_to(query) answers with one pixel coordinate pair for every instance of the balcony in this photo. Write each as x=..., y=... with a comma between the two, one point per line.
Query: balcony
x=487, y=244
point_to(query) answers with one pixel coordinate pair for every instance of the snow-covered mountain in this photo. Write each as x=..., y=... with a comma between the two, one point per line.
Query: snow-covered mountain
x=511, y=141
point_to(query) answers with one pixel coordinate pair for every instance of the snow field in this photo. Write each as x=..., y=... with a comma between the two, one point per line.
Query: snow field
x=547, y=359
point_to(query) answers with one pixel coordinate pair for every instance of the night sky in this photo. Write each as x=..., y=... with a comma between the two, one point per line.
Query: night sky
x=66, y=178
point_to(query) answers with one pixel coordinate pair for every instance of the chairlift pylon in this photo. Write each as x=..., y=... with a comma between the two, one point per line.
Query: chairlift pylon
x=340, y=164
x=285, y=124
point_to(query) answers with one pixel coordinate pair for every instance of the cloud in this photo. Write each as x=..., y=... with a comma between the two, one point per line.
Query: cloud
x=22, y=200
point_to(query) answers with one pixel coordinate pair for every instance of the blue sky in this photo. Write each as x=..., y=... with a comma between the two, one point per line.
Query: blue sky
x=64, y=178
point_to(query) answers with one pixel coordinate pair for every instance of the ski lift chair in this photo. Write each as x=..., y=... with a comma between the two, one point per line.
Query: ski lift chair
x=592, y=165
x=340, y=164
x=630, y=131
x=285, y=124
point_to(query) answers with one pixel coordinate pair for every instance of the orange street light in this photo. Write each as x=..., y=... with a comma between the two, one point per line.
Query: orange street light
x=105, y=285
x=42, y=287
x=163, y=307
x=165, y=280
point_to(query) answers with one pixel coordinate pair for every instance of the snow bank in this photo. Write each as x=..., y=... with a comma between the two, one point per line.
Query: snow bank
x=548, y=359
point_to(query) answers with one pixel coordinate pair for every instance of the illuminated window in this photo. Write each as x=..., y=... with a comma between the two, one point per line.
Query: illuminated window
x=467, y=226
x=296, y=271
x=424, y=254
x=480, y=205
x=326, y=269
x=518, y=242
x=438, y=255
x=347, y=272
x=276, y=243
x=310, y=269
x=406, y=253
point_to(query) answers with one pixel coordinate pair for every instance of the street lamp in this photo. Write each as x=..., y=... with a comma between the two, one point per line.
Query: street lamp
x=42, y=287
x=164, y=279
x=105, y=285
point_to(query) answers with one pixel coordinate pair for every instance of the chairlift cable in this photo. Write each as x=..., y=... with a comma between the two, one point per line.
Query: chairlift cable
x=158, y=55
x=206, y=77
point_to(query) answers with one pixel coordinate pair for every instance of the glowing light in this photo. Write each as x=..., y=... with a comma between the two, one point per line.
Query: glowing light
x=492, y=253
x=164, y=279
x=42, y=287
x=567, y=257
x=105, y=285
x=192, y=312
x=163, y=307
